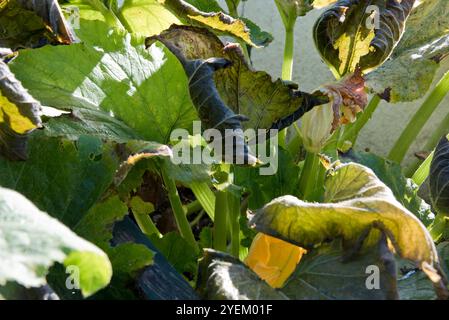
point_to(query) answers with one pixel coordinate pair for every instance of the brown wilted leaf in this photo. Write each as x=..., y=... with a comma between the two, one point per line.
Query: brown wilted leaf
x=348, y=98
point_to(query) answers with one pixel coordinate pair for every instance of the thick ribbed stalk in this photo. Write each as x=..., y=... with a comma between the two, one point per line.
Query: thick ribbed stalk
x=423, y=171
x=178, y=210
x=205, y=196
x=421, y=117
x=312, y=178
x=220, y=222
x=442, y=130
x=146, y=224
x=287, y=65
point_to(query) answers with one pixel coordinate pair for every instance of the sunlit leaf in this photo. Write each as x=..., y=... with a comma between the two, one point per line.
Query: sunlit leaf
x=103, y=81
x=390, y=173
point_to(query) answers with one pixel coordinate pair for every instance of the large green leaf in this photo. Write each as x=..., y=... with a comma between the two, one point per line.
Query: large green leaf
x=30, y=23
x=218, y=22
x=31, y=242
x=251, y=93
x=19, y=115
x=114, y=79
x=79, y=182
x=358, y=208
x=223, y=277
x=346, y=36
x=410, y=72
x=390, y=173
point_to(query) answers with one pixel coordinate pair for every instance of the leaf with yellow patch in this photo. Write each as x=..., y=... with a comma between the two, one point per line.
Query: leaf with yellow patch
x=18, y=114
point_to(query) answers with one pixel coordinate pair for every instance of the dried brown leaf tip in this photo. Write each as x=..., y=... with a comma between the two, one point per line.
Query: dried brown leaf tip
x=348, y=97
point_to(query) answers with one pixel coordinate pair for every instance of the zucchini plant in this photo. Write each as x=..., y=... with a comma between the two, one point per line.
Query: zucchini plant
x=142, y=156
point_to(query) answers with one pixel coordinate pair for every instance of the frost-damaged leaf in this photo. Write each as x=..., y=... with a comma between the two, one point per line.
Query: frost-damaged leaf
x=390, y=173
x=439, y=177
x=324, y=274
x=223, y=277
x=218, y=22
x=32, y=242
x=258, y=35
x=114, y=79
x=347, y=36
x=410, y=72
x=358, y=208
x=19, y=115
x=33, y=23
x=213, y=112
x=252, y=93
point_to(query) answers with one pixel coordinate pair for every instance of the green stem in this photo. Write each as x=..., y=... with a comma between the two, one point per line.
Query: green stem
x=193, y=207
x=423, y=171
x=234, y=215
x=146, y=224
x=431, y=143
x=287, y=71
x=294, y=145
x=311, y=179
x=197, y=218
x=287, y=65
x=232, y=8
x=205, y=197
x=351, y=131
x=178, y=210
x=418, y=121
x=439, y=228
x=220, y=223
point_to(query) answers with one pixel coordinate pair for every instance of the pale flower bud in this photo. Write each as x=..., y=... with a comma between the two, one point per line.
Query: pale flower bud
x=316, y=127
